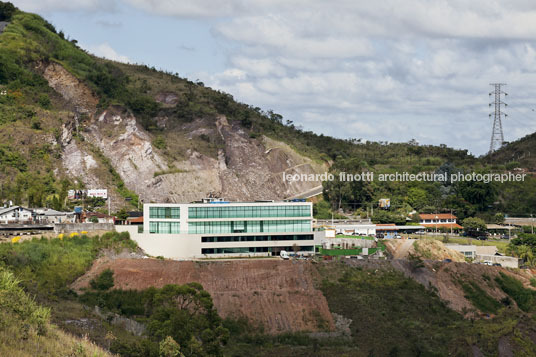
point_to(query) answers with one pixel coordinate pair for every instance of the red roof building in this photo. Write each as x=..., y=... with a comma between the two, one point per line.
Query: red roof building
x=438, y=220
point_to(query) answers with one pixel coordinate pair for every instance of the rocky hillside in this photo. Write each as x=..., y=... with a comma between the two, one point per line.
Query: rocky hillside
x=71, y=120
x=132, y=129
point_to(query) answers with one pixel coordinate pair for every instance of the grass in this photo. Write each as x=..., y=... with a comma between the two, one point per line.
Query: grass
x=354, y=237
x=524, y=298
x=25, y=328
x=479, y=298
x=47, y=266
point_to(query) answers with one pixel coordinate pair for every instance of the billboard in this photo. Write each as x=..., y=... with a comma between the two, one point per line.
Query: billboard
x=102, y=193
x=385, y=203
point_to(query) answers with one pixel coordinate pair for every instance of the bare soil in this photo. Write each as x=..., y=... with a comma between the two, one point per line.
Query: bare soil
x=277, y=295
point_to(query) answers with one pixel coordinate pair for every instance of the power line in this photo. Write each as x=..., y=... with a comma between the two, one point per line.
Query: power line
x=497, y=136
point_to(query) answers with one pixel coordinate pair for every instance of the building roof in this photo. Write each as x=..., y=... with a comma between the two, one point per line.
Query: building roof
x=486, y=250
x=98, y=215
x=135, y=220
x=392, y=227
x=51, y=212
x=439, y=225
x=498, y=226
x=9, y=209
x=437, y=216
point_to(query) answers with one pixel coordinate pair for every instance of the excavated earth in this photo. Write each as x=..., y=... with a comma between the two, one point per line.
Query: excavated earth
x=279, y=296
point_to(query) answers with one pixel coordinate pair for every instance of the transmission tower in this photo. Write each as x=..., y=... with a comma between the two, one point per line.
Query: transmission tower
x=497, y=136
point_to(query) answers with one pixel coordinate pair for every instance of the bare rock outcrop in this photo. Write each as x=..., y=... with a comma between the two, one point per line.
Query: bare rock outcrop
x=71, y=89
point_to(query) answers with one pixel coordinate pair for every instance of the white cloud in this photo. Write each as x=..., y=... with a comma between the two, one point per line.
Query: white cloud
x=45, y=6
x=106, y=51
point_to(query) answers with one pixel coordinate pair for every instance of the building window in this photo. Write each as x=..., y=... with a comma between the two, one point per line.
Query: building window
x=248, y=211
x=256, y=238
x=164, y=227
x=245, y=250
x=165, y=212
x=215, y=227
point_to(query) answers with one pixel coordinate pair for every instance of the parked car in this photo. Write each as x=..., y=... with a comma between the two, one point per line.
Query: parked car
x=497, y=265
x=482, y=238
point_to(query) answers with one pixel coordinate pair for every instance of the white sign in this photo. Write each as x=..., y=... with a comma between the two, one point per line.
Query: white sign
x=98, y=193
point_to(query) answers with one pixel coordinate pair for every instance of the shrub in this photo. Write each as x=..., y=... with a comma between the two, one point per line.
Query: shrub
x=524, y=298
x=104, y=281
x=7, y=10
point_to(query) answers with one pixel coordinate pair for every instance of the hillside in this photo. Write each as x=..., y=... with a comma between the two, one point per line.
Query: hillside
x=90, y=122
x=71, y=120
x=519, y=153
x=25, y=329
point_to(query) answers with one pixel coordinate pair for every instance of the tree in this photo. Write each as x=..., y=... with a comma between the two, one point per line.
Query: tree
x=7, y=10
x=417, y=198
x=170, y=348
x=104, y=281
x=472, y=225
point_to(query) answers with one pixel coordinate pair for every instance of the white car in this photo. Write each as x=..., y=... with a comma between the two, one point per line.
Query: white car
x=284, y=255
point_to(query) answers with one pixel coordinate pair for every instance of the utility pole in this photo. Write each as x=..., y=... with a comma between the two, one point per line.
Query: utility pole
x=497, y=136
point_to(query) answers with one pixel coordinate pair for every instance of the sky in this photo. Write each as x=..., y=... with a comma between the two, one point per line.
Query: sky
x=381, y=71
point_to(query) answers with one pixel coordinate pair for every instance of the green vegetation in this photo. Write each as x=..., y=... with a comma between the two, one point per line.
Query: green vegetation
x=46, y=267
x=479, y=298
x=25, y=328
x=185, y=313
x=524, y=247
x=523, y=297
x=104, y=281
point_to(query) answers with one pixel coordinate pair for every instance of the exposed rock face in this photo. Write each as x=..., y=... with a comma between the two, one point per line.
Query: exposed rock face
x=169, y=98
x=70, y=88
x=244, y=169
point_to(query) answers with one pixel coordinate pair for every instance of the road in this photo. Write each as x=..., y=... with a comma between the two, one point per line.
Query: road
x=309, y=193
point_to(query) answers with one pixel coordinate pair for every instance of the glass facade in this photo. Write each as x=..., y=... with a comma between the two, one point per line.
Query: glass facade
x=216, y=227
x=250, y=250
x=220, y=211
x=164, y=212
x=164, y=227
x=256, y=238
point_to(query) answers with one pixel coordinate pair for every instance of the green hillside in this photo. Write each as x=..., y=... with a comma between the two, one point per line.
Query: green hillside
x=519, y=153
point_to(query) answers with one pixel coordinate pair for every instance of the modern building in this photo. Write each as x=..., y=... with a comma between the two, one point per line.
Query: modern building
x=16, y=214
x=225, y=229
x=439, y=220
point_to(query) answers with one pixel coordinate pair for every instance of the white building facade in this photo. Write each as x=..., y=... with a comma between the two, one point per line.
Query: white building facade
x=225, y=229
x=15, y=214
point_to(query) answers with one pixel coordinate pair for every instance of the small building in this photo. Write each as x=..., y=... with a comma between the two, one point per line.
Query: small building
x=392, y=230
x=469, y=251
x=16, y=214
x=504, y=261
x=48, y=215
x=89, y=217
x=487, y=250
x=435, y=221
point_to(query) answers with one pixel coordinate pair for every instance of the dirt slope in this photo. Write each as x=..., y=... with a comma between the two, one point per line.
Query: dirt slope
x=279, y=295
x=426, y=249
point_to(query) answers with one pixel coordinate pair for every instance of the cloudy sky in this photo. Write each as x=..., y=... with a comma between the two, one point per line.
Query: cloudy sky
x=385, y=70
